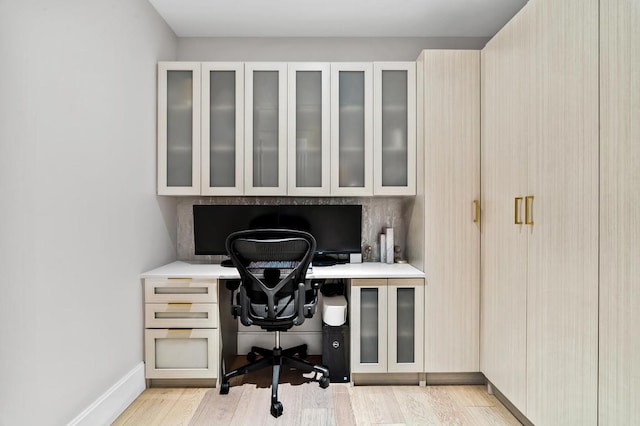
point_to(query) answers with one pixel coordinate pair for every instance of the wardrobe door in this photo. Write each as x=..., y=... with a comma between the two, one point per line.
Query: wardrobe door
x=451, y=123
x=619, y=381
x=504, y=236
x=562, y=290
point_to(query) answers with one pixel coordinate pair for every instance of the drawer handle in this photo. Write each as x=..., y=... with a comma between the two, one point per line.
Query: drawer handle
x=179, y=304
x=181, y=279
x=180, y=330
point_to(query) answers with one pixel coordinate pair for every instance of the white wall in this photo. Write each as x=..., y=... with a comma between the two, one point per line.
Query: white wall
x=319, y=49
x=79, y=219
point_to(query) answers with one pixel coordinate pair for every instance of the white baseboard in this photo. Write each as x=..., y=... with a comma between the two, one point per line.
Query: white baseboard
x=107, y=408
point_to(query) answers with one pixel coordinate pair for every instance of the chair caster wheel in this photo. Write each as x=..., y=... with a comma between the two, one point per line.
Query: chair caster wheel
x=324, y=382
x=276, y=409
x=251, y=356
x=224, y=388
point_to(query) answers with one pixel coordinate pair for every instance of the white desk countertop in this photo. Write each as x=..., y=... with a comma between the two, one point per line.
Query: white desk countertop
x=181, y=269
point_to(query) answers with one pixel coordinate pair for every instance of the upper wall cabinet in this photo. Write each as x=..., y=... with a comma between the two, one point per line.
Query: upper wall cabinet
x=265, y=128
x=273, y=129
x=309, y=129
x=351, y=129
x=179, y=128
x=222, y=128
x=394, y=128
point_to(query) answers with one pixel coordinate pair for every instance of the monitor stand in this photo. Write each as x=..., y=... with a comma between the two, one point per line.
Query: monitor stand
x=227, y=263
x=324, y=260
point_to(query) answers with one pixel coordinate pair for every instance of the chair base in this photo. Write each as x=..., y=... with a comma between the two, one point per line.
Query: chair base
x=276, y=357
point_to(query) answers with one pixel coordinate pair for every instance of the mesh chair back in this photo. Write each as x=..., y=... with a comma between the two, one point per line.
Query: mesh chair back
x=272, y=264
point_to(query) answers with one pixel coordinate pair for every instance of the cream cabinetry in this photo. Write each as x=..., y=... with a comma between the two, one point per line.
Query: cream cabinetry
x=265, y=128
x=449, y=125
x=352, y=129
x=222, y=128
x=181, y=329
x=394, y=131
x=387, y=318
x=274, y=128
x=619, y=366
x=540, y=206
x=309, y=153
x=179, y=128
x=200, y=128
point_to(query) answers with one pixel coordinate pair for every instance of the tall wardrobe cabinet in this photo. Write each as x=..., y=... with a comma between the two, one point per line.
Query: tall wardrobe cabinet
x=449, y=193
x=540, y=205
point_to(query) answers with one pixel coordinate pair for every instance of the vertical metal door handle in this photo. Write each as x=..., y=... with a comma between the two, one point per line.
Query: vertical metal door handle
x=476, y=211
x=516, y=219
x=528, y=210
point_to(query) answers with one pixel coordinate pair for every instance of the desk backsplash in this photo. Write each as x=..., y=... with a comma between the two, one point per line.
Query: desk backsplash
x=377, y=213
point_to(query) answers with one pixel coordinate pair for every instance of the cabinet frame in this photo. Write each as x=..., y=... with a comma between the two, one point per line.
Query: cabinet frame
x=163, y=187
x=378, y=109
x=387, y=325
x=205, y=186
x=367, y=189
x=250, y=68
x=325, y=188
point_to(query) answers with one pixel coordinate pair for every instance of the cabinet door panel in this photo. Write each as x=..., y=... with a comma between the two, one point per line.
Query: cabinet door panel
x=222, y=128
x=619, y=382
x=351, y=129
x=394, y=128
x=406, y=326
x=368, y=326
x=309, y=129
x=265, y=128
x=562, y=289
x=178, y=128
x=451, y=123
x=504, y=177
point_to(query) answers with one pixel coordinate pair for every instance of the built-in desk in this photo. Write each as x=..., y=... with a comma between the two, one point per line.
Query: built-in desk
x=180, y=269
x=186, y=329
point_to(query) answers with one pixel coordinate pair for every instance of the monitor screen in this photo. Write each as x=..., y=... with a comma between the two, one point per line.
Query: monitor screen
x=336, y=228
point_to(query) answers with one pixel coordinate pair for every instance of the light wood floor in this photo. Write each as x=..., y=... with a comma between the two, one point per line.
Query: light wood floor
x=305, y=403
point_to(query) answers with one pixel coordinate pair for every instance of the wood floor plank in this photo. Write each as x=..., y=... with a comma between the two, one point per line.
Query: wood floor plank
x=305, y=403
x=375, y=405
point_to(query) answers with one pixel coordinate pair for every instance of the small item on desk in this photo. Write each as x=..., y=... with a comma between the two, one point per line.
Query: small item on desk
x=389, y=248
x=383, y=248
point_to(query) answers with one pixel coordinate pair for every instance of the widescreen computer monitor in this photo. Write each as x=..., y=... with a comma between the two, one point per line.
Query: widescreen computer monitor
x=336, y=228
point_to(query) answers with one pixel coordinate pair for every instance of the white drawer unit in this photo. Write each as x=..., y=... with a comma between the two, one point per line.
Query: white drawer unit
x=181, y=328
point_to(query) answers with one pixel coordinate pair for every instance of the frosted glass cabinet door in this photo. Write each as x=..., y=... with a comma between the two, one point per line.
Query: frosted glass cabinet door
x=222, y=128
x=309, y=129
x=265, y=128
x=351, y=129
x=368, y=325
x=395, y=128
x=178, y=128
x=406, y=325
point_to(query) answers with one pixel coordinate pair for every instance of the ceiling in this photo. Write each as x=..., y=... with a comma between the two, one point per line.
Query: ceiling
x=336, y=18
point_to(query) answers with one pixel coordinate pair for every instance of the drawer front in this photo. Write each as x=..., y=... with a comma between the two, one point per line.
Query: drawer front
x=181, y=290
x=182, y=353
x=181, y=315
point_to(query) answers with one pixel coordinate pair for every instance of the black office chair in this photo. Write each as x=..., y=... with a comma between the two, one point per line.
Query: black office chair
x=273, y=264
